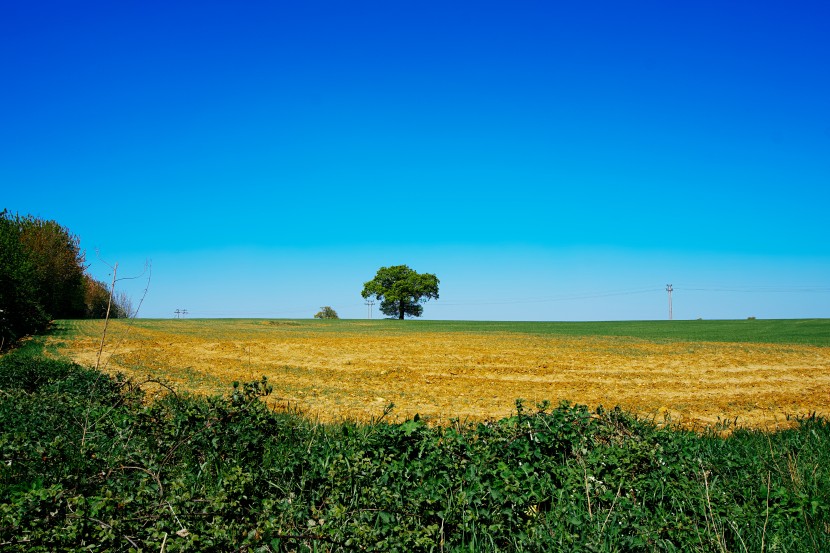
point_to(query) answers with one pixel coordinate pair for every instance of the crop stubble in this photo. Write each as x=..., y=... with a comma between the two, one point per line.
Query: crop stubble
x=443, y=375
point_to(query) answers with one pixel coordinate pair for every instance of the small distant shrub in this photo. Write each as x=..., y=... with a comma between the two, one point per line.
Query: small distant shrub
x=326, y=313
x=750, y=318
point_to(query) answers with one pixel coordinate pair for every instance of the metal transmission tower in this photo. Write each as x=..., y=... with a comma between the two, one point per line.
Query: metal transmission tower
x=669, y=289
x=369, y=304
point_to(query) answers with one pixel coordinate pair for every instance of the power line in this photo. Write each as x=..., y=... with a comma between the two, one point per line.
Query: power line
x=548, y=299
x=764, y=289
x=590, y=296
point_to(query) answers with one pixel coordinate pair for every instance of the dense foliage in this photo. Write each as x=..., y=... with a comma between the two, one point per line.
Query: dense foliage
x=88, y=463
x=56, y=256
x=20, y=311
x=401, y=291
x=43, y=277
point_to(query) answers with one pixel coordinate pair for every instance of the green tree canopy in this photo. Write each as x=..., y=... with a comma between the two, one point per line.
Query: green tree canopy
x=401, y=291
x=55, y=254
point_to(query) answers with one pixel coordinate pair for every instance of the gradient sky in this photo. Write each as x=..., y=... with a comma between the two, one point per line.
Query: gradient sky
x=547, y=160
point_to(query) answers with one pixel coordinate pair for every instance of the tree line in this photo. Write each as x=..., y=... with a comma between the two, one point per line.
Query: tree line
x=43, y=276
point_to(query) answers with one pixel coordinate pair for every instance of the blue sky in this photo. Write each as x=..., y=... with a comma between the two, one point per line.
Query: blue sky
x=548, y=161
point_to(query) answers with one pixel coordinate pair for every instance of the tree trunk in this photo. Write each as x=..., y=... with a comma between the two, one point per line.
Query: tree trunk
x=400, y=310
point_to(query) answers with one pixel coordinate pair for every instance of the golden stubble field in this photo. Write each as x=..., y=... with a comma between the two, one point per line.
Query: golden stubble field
x=347, y=370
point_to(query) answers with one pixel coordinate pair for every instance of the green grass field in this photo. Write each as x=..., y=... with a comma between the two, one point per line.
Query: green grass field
x=814, y=332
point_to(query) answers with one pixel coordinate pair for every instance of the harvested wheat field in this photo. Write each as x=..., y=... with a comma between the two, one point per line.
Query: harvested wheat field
x=473, y=371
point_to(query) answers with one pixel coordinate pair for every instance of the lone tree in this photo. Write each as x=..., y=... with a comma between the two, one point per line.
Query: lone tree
x=401, y=291
x=326, y=312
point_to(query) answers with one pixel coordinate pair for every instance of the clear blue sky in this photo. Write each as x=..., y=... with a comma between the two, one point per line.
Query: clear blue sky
x=547, y=160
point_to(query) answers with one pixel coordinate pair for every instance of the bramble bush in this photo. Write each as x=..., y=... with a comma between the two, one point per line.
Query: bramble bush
x=89, y=463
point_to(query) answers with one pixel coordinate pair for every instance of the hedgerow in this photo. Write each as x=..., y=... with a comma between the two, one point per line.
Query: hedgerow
x=89, y=463
x=43, y=277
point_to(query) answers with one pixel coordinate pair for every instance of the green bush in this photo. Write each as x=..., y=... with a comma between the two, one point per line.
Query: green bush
x=326, y=312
